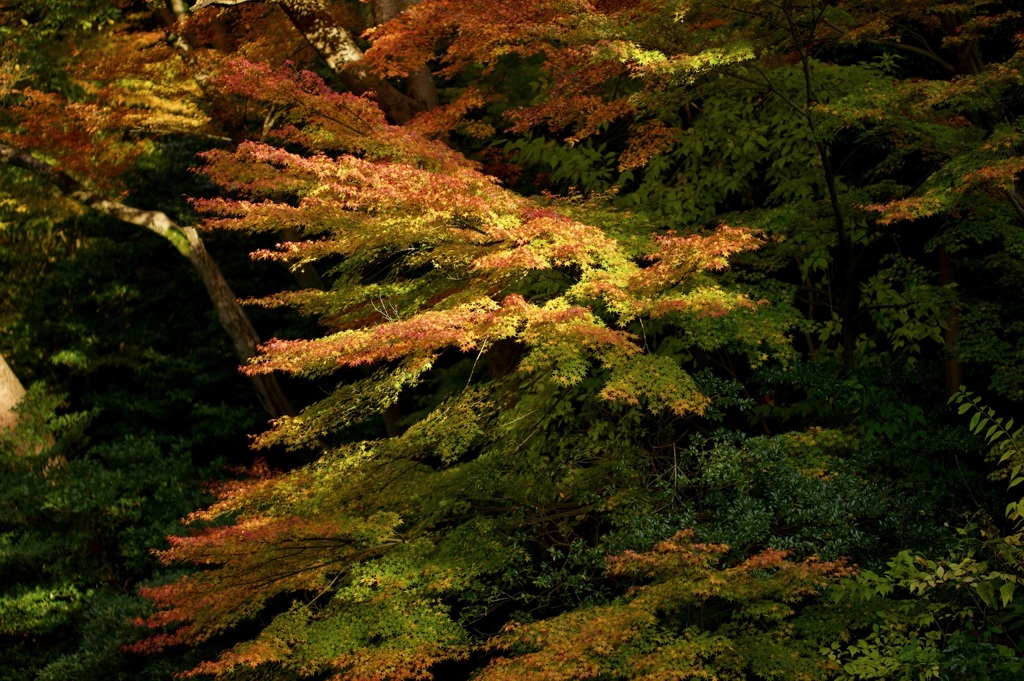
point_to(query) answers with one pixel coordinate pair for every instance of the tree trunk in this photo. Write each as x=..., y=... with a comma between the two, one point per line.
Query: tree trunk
x=419, y=85
x=337, y=47
x=178, y=7
x=11, y=392
x=234, y=320
x=954, y=369
x=305, y=274
x=187, y=242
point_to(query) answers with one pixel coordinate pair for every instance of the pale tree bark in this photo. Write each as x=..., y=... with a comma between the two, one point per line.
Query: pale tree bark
x=337, y=47
x=11, y=392
x=187, y=242
x=172, y=15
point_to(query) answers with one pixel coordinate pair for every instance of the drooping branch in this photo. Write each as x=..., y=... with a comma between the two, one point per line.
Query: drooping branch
x=187, y=242
x=337, y=47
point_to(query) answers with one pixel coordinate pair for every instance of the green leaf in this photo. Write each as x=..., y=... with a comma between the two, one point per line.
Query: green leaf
x=993, y=430
x=1006, y=593
x=986, y=592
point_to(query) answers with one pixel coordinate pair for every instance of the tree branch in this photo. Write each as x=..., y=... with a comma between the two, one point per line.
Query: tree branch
x=187, y=242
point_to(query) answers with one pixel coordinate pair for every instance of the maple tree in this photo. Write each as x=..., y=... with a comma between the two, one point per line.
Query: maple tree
x=436, y=259
x=656, y=73
x=634, y=410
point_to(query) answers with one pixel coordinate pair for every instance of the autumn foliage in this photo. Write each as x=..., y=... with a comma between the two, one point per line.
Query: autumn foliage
x=639, y=408
x=435, y=261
